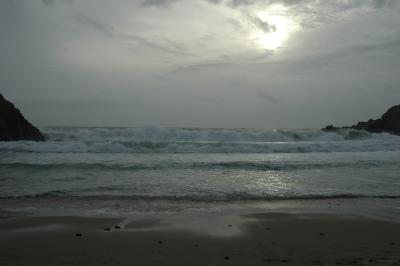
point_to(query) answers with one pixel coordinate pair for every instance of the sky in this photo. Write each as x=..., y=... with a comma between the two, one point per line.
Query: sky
x=274, y=64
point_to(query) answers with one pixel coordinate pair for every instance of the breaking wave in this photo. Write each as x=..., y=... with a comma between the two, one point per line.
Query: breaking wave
x=234, y=165
x=199, y=165
x=181, y=140
x=162, y=134
x=390, y=144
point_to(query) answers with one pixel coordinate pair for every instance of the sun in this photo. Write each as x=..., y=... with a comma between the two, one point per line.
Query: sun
x=280, y=28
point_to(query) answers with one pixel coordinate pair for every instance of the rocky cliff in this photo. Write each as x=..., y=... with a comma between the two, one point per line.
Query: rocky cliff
x=389, y=122
x=13, y=125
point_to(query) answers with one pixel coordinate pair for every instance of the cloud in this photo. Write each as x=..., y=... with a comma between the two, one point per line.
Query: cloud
x=74, y=52
x=163, y=3
x=307, y=4
x=48, y=2
x=384, y=3
x=166, y=3
x=263, y=25
x=168, y=46
x=172, y=47
x=236, y=3
x=267, y=97
x=361, y=49
x=353, y=3
x=94, y=24
x=320, y=61
x=177, y=46
x=201, y=66
x=236, y=24
x=215, y=1
x=51, y=2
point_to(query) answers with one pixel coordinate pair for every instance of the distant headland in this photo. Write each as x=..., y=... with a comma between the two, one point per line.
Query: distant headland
x=13, y=125
x=389, y=122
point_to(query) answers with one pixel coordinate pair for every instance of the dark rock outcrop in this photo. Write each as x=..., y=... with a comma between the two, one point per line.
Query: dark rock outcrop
x=331, y=128
x=389, y=122
x=13, y=125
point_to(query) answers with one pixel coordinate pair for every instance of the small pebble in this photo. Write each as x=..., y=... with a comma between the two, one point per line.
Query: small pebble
x=321, y=234
x=227, y=258
x=107, y=229
x=160, y=242
x=229, y=225
x=78, y=234
x=117, y=227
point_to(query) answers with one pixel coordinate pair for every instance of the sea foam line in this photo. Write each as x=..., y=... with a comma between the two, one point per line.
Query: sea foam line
x=245, y=165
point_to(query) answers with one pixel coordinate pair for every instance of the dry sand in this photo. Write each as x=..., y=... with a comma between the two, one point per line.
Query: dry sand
x=256, y=239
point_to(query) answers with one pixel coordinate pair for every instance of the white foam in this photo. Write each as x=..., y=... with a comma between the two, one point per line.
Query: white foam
x=185, y=134
x=175, y=140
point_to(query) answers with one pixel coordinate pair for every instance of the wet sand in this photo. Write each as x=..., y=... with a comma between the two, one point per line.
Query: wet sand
x=253, y=239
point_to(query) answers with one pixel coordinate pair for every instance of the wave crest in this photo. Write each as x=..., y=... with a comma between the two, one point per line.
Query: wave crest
x=234, y=165
x=199, y=146
x=155, y=134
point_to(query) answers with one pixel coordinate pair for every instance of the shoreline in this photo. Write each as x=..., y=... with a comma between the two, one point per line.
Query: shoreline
x=387, y=209
x=258, y=236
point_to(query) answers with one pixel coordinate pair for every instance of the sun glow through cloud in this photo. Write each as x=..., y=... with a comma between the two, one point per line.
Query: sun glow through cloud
x=280, y=27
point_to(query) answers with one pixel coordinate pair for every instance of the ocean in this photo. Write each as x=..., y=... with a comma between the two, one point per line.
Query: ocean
x=86, y=165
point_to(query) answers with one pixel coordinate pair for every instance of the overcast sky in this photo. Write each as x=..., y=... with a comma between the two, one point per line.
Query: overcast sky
x=200, y=63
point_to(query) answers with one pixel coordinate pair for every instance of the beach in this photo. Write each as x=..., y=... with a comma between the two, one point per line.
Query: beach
x=270, y=237
x=199, y=133
x=177, y=196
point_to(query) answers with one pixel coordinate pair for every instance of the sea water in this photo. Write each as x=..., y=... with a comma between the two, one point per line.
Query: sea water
x=198, y=165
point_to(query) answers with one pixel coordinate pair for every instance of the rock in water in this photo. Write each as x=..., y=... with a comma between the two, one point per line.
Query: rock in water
x=389, y=122
x=13, y=125
x=330, y=128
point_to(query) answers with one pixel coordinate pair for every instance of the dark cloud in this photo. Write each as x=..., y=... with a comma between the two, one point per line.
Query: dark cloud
x=170, y=47
x=236, y=3
x=94, y=24
x=340, y=5
x=48, y=2
x=51, y=2
x=174, y=65
x=362, y=49
x=384, y=3
x=351, y=3
x=158, y=2
x=166, y=3
x=299, y=65
x=262, y=25
x=201, y=66
x=267, y=97
x=236, y=24
x=321, y=61
x=215, y=1
x=176, y=46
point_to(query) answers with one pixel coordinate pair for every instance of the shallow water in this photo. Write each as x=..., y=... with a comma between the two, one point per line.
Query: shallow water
x=201, y=164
